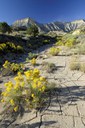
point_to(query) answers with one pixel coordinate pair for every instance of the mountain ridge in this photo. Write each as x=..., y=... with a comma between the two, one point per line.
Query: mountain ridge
x=47, y=27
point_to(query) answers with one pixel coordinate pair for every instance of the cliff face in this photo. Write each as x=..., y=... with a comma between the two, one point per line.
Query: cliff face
x=54, y=26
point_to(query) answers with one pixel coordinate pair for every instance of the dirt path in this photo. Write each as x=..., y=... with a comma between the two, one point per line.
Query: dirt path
x=66, y=107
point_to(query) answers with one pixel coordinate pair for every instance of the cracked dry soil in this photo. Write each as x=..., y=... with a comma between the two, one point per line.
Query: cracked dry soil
x=66, y=105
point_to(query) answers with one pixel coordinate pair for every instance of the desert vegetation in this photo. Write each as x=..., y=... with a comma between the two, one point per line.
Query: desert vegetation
x=31, y=62
x=67, y=40
x=26, y=93
x=54, y=51
x=76, y=64
x=10, y=68
x=49, y=67
x=33, y=30
x=28, y=87
x=10, y=47
x=4, y=27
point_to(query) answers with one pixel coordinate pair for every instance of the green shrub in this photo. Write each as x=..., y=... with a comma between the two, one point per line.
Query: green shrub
x=32, y=55
x=20, y=49
x=4, y=27
x=33, y=30
x=46, y=41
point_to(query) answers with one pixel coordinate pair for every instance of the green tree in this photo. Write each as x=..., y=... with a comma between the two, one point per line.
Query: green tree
x=4, y=27
x=33, y=30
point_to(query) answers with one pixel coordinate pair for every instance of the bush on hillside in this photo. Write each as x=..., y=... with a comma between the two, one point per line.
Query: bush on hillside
x=70, y=42
x=33, y=30
x=4, y=27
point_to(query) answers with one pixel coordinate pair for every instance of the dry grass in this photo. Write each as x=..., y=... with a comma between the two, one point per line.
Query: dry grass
x=49, y=67
x=82, y=67
x=74, y=63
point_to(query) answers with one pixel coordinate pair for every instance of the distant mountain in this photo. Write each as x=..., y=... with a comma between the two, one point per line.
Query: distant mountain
x=54, y=26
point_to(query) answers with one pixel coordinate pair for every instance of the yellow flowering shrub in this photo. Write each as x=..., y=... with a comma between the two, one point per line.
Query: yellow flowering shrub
x=2, y=47
x=6, y=64
x=26, y=92
x=54, y=51
x=33, y=61
x=70, y=42
x=11, y=47
x=13, y=66
x=59, y=43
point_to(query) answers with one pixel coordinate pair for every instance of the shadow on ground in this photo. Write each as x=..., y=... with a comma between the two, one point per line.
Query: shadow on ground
x=66, y=96
x=7, y=124
x=31, y=44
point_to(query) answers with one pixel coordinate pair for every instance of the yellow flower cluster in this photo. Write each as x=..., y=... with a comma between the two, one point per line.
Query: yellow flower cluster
x=54, y=51
x=26, y=89
x=33, y=61
x=3, y=47
x=13, y=92
x=20, y=82
x=60, y=43
x=37, y=82
x=6, y=64
x=9, y=46
x=13, y=66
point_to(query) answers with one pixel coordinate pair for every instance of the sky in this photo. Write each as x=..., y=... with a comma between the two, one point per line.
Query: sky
x=43, y=11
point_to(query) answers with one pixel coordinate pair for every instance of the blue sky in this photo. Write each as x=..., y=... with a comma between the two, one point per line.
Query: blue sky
x=43, y=11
